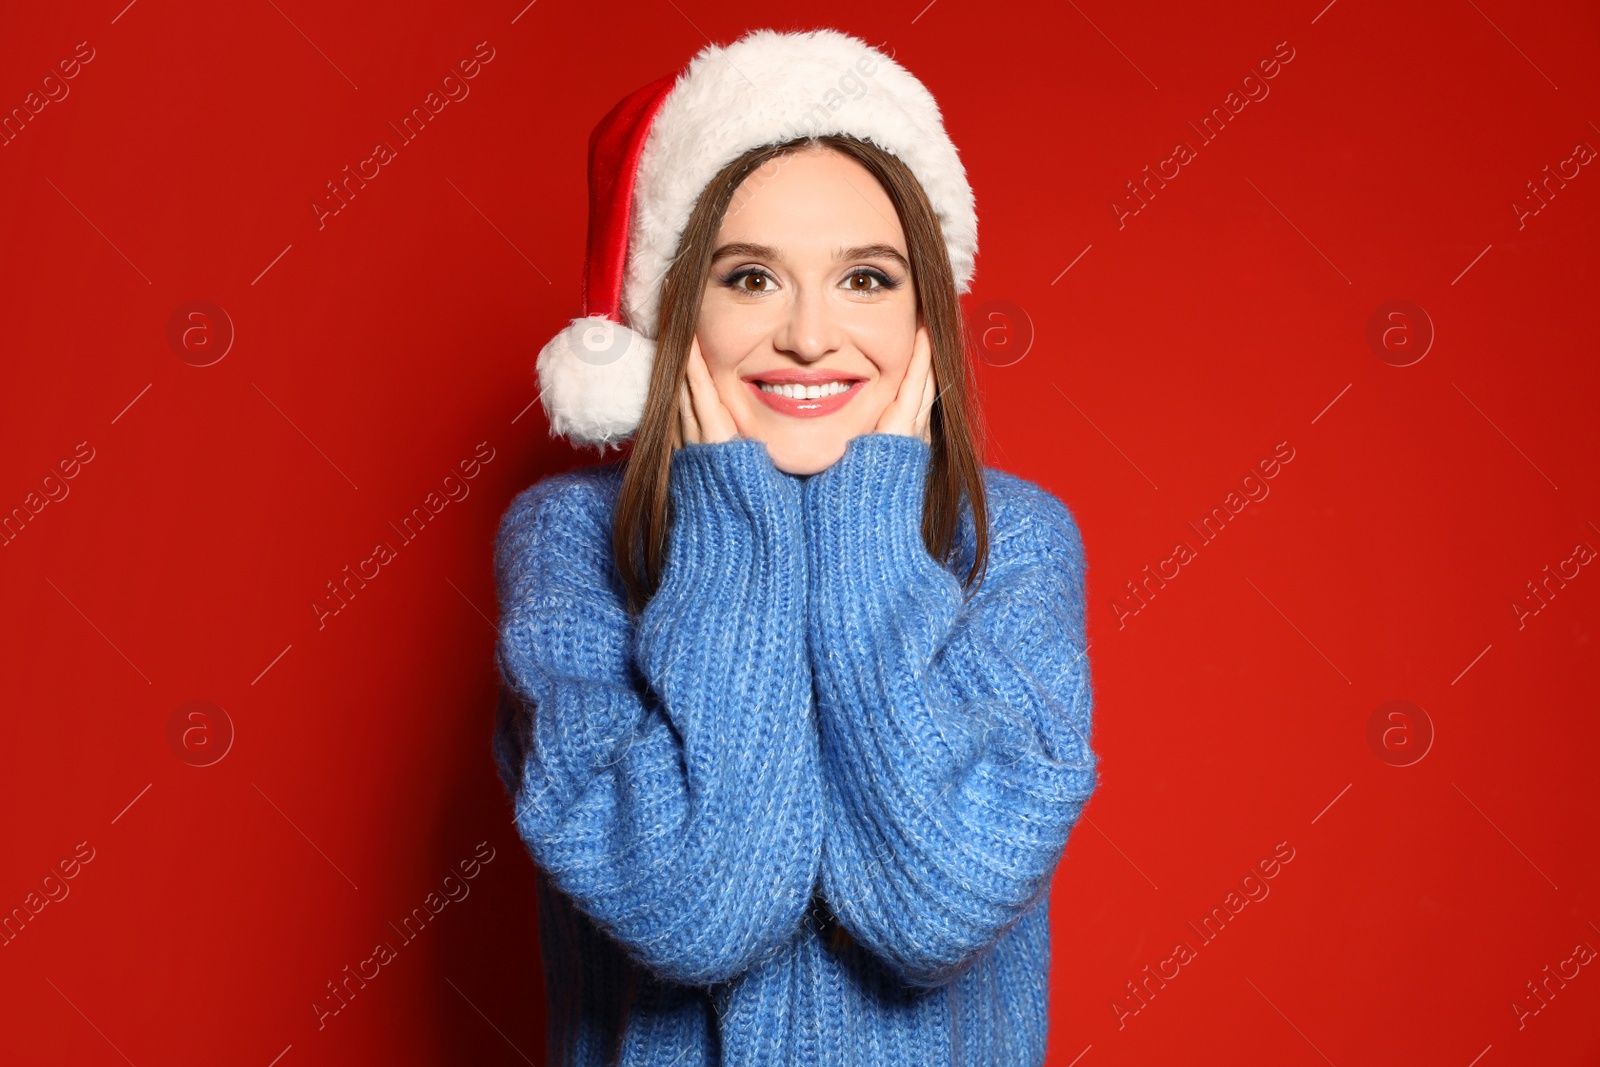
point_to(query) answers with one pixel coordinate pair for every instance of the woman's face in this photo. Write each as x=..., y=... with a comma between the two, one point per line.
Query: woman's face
x=810, y=285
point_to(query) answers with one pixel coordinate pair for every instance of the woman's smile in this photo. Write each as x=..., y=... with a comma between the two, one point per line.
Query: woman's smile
x=804, y=394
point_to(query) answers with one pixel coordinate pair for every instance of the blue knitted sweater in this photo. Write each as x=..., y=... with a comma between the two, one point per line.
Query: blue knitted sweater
x=807, y=808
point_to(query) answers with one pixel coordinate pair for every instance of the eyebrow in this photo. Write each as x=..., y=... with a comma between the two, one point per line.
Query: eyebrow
x=755, y=251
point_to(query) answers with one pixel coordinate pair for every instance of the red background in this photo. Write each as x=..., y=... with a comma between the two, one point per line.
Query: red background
x=372, y=355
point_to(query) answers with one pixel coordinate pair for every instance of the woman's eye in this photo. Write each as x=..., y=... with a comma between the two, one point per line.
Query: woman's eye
x=750, y=281
x=865, y=281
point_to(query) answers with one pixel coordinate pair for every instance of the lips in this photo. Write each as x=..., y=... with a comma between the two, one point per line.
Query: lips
x=803, y=377
x=803, y=409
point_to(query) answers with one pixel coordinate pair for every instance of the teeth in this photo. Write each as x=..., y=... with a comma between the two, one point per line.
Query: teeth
x=805, y=392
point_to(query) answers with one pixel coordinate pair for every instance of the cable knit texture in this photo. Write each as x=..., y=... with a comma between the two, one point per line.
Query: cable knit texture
x=807, y=809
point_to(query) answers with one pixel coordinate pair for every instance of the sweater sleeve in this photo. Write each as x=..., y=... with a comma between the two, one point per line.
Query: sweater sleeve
x=664, y=772
x=955, y=752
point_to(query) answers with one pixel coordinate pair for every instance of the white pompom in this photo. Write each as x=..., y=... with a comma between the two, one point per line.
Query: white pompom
x=594, y=377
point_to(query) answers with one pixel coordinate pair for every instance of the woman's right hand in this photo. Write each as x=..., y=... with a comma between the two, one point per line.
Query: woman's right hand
x=702, y=416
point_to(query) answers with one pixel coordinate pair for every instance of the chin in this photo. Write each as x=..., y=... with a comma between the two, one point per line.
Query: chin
x=801, y=455
x=809, y=446
x=804, y=461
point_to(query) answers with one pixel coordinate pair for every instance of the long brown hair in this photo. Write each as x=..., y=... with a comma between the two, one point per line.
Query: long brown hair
x=642, y=518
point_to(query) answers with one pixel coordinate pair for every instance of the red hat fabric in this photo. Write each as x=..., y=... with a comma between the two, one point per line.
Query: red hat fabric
x=614, y=151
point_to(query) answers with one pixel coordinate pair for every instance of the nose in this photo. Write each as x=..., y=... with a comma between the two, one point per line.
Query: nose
x=809, y=330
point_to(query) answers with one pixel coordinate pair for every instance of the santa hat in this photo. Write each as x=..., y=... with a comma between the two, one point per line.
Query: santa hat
x=652, y=155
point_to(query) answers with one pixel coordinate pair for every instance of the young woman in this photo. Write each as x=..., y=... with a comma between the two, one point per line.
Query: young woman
x=795, y=713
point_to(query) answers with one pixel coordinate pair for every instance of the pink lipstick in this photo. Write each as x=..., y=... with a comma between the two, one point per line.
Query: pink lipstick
x=804, y=408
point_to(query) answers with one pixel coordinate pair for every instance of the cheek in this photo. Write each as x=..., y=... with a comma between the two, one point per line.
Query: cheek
x=888, y=342
x=726, y=341
x=888, y=348
x=728, y=335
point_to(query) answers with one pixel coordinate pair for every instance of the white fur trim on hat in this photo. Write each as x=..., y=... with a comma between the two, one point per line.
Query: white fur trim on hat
x=769, y=87
x=593, y=379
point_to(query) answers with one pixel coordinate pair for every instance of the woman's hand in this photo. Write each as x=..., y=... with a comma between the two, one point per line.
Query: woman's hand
x=703, y=417
x=910, y=412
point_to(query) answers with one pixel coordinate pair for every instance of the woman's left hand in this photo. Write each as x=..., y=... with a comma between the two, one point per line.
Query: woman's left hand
x=910, y=412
